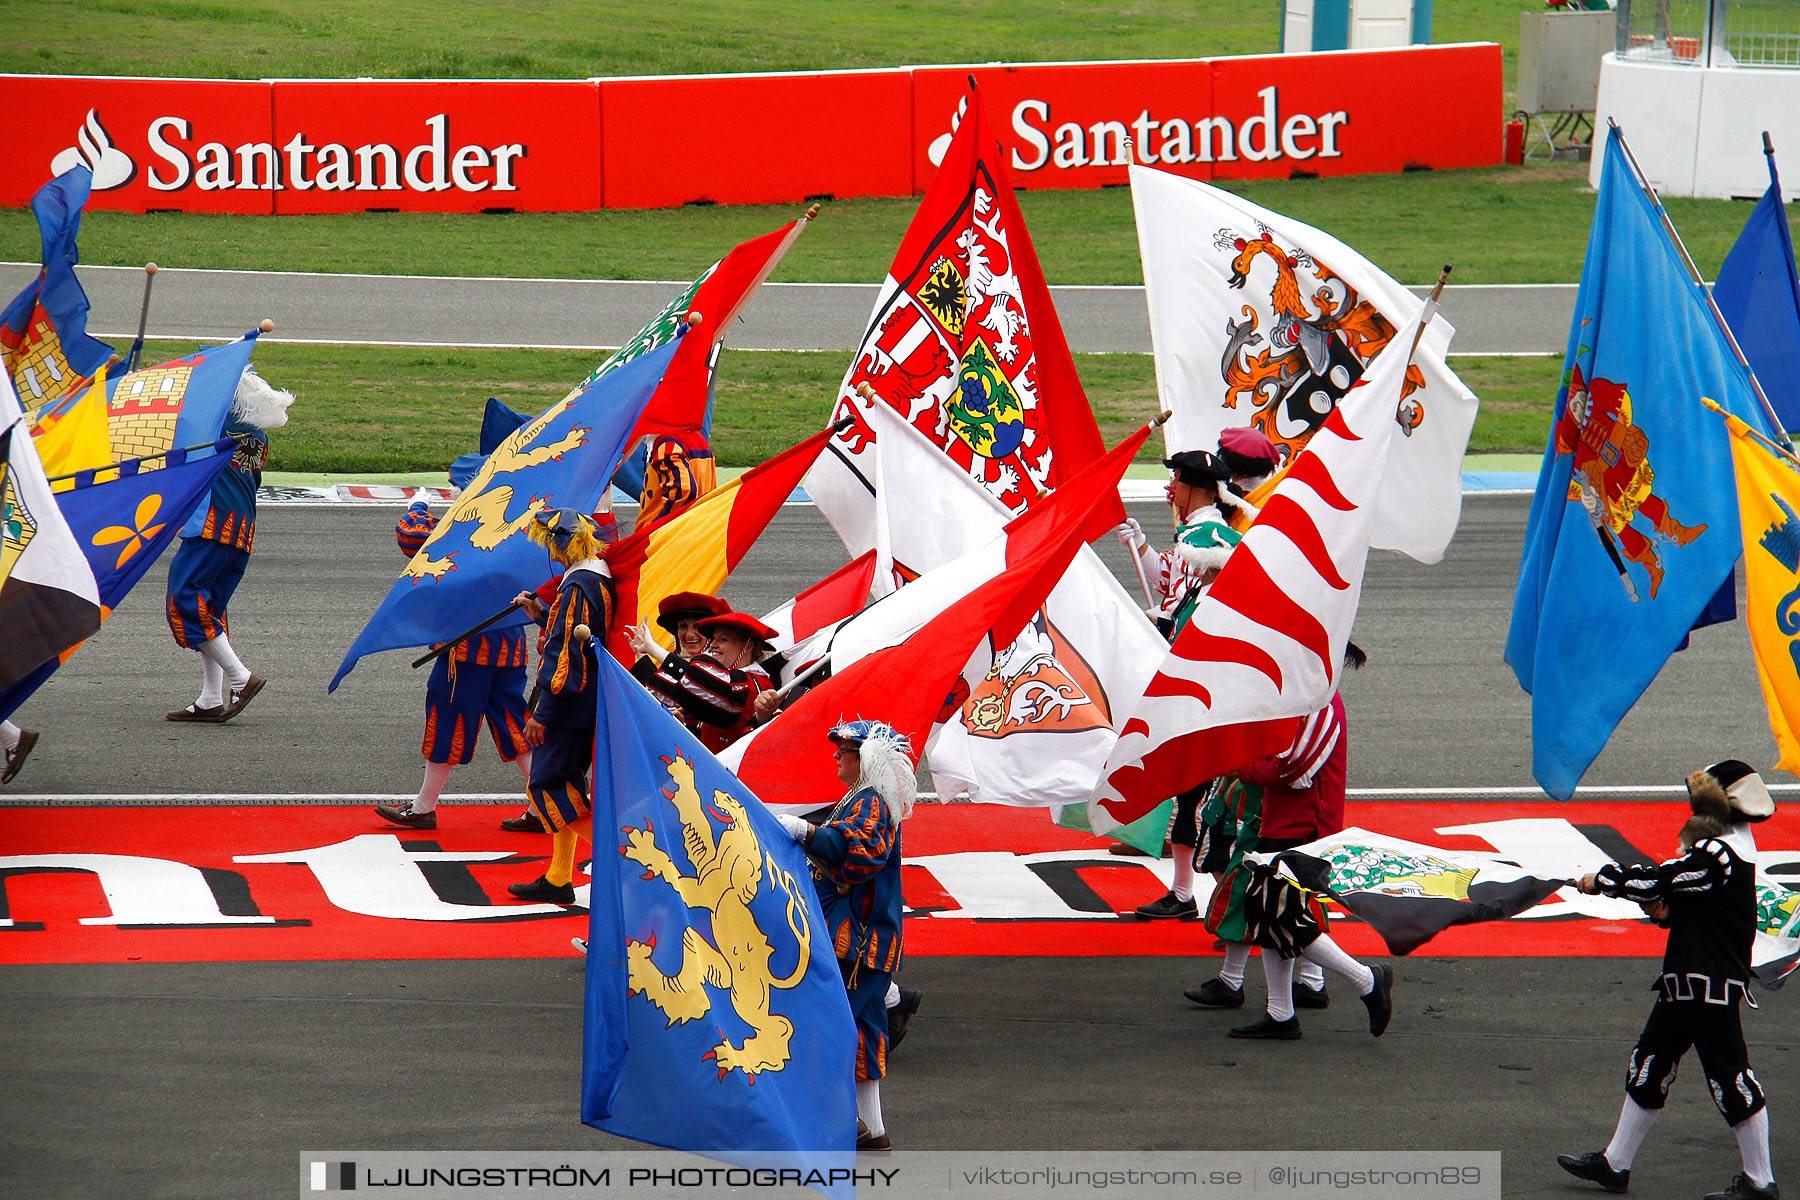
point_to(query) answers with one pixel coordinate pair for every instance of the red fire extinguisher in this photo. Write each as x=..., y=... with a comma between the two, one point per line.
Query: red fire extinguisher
x=1515, y=140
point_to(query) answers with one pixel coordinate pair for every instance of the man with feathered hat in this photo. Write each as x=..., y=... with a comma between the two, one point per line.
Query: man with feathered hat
x=561, y=725
x=215, y=550
x=855, y=854
x=1706, y=897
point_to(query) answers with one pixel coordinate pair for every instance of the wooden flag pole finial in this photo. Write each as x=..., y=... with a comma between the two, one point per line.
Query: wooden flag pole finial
x=265, y=326
x=151, y=268
x=1162, y=418
x=693, y=318
x=866, y=390
x=812, y=211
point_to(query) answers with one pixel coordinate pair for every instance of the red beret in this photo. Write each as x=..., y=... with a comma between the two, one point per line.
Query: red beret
x=688, y=604
x=743, y=623
x=1246, y=441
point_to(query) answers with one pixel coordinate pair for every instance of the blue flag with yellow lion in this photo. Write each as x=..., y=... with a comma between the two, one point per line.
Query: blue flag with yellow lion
x=478, y=558
x=1634, y=525
x=716, y=1017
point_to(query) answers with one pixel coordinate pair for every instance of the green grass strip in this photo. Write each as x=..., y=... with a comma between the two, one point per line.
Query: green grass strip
x=378, y=410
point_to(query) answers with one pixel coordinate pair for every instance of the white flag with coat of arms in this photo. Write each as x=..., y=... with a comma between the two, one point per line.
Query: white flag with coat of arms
x=1257, y=319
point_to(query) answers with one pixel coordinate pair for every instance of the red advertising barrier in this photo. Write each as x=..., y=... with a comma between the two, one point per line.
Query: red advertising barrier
x=301, y=146
x=437, y=146
x=1345, y=113
x=756, y=139
x=152, y=143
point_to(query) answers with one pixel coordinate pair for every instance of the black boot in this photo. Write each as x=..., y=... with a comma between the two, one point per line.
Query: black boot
x=542, y=891
x=1216, y=993
x=1742, y=1189
x=1380, y=1000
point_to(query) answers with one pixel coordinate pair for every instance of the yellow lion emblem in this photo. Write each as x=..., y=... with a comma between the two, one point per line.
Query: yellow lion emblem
x=727, y=871
x=486, y=509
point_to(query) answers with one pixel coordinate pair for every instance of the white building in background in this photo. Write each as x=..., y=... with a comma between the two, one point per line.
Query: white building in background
x=1695, y=83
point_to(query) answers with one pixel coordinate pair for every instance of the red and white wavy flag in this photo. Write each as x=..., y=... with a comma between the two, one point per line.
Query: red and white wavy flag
x=1266, y=645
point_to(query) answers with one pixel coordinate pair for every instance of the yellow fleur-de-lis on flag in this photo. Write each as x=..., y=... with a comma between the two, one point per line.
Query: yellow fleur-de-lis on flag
x=135, y=535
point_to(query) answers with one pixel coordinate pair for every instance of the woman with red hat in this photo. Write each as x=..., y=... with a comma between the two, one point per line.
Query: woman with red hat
x=713, y=692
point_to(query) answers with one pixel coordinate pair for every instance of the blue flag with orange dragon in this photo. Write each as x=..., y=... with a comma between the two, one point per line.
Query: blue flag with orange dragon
x=1634, y=524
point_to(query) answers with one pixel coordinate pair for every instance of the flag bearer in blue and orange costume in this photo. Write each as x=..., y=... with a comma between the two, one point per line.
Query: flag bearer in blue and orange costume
x=483, y=677
x=215, y=550
x=561, y=726
x=855, y=854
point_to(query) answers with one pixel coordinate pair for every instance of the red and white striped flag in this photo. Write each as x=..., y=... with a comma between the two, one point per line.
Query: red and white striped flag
x=814, y=614
x=1266, y=645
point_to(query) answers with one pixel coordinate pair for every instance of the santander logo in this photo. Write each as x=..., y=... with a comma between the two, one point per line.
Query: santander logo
x=93, y=149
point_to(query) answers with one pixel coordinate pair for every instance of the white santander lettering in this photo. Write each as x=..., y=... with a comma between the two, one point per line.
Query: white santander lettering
x=371, y=874
x=1031, y=135
x=160, y=147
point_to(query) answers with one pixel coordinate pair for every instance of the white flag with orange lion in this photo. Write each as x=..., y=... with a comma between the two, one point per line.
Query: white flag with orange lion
x=1261, y=320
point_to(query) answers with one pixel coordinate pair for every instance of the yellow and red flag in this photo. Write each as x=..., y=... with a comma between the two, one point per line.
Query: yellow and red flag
x=72, y=434
x=696, y=548
x=1768, y=486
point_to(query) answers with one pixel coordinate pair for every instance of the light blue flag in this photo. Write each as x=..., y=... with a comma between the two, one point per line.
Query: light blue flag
x=716, y=1019
x=1760, y=296
x=478, y=558
x=1634, y=524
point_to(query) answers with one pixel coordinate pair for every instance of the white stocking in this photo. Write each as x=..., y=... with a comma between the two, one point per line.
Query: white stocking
x=9, y=736
x=212, y=683
x=1753, y=1146
x=219, y=651
x=436, y=776
x=523, y=762
x=868, y=1106
x=1327, y=954
x=1184, y=873
x=1237, y=957
x=1312, y=975
x=892, y=999
x=1634, y=1122
x=1278, y=973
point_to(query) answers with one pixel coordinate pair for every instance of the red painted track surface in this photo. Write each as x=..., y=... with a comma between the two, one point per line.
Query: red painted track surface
x=1053, y=892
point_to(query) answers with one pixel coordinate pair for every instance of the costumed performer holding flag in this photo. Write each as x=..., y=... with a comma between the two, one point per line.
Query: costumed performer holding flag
x=483, y=677
x=215, y=550
x=561, y=726
x=1706, y=898
x=855, y=856
x=1179, y=577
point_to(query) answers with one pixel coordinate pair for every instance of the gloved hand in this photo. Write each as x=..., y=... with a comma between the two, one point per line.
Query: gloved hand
x=797, y=828
x=1131, y=534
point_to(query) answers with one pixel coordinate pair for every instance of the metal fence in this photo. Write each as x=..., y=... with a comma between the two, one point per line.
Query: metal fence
x=1710, y=33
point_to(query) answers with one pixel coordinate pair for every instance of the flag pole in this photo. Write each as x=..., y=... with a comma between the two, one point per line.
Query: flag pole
x=1157, y=422
x=462, y=637
x=137, y=344
x=1787, y=454
x=1694, y=271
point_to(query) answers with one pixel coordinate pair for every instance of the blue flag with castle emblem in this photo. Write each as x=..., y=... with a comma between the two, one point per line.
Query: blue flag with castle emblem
x=43, y=332
x=478, y=558
x=716, y=1019
x=122, y=525
x=1634, y=525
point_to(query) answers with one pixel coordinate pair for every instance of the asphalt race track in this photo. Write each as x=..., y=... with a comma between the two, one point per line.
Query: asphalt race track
x=594, y=314
x=206, y=1079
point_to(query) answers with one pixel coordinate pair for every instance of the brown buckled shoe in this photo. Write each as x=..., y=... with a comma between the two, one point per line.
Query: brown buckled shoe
x=872, y=1142
x=403, y=815
x=525, y=822
x=15, y=758
x=210, y=716
x=242, y=696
